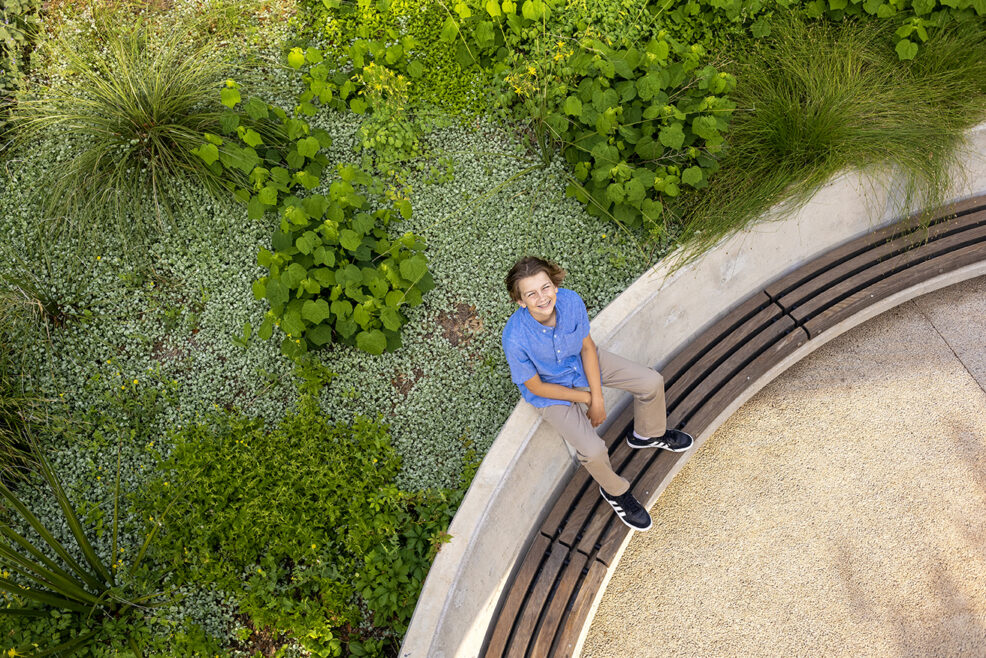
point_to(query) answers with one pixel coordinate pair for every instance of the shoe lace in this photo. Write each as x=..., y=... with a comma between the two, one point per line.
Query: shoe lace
x=630, y=504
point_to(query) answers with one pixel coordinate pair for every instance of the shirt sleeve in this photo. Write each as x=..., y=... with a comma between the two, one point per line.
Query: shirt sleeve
x=521, y=366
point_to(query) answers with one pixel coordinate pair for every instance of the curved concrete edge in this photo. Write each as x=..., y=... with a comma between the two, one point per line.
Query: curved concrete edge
x=884, y=305
x=653, y=318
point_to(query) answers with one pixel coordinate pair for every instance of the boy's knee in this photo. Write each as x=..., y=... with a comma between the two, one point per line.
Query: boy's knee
x=593, y=452
x=655, y=381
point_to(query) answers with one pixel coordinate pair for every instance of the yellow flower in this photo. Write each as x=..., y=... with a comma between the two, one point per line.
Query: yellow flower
x=313, y=547
x=531, y=70
x=135, y=382
x=99, y=258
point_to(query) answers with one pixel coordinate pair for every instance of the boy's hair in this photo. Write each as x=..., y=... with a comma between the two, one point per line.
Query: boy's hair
x=529, y=266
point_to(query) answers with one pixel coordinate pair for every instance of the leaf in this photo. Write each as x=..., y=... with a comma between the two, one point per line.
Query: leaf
x=414, y=268
x=277, y=294
x=362, y=316
x=208, y=152
x=256, y=109
x=416, y=69
x=404, y=206
x=373, y=342
x=705, y=127
x=251, y=137
x=692, y=176
x=635, y=191
x=342, y=308
x=319, y=335
x=259, y=289
x=230, y=97
x=268, y=195
x=292, y=324
x=304, y=244
x=349, y=239
x=308, y=147
x=672, y=136
x=394, y=298
x=493, y=8
x=358, y=105
x=450, y=30
x=256, y=208
x=573, y=106
x=391, y=318
x=296, y=58
x=294, y=275
x=313, y=55
x=315, y=310
x=761, y=28
x=266, y=329
x=615, y=192
x=906, y=49
x=228, y=121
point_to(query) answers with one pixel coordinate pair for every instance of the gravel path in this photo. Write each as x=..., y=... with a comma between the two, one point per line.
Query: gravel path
x=841, y=511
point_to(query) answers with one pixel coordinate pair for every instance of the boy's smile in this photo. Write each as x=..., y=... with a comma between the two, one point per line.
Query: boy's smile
x=538, y=295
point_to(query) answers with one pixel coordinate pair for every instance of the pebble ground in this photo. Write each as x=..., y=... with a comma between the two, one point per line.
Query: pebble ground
x=840, y=512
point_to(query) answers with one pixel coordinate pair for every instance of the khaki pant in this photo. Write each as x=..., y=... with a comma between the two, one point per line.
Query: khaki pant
x=649, y=417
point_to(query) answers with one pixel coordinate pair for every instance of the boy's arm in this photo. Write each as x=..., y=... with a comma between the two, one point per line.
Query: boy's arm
x=556, y=391
x=590, y=363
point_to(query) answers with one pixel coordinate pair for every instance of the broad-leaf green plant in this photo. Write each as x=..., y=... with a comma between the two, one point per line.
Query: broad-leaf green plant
x=336, y=274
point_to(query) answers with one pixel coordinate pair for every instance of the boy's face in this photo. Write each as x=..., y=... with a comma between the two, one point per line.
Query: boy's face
x=537, y=295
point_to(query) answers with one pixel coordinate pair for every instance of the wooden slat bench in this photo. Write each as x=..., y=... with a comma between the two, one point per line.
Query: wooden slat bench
x=543, y=610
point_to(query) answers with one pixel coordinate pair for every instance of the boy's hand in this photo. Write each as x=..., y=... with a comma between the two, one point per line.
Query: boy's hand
x=596, y=411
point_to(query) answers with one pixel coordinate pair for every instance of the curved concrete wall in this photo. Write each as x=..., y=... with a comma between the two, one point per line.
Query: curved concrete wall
x=658, y=314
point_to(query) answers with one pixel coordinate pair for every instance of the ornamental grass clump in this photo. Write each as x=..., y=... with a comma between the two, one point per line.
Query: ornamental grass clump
x=817, y=99
x=129, y=113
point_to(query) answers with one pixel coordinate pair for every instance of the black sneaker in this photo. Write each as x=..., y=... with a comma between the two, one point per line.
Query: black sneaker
x=673, y=440
x=631, y=512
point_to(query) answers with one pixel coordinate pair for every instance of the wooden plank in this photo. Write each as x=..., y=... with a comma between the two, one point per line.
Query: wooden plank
x=721, y=350
x=694, y=350
x=728, y=369
x=831, y=295
x=907, y=230
x=571, y=626
x=735, y=385
x=550, y=622
x=902, y=280
x=808, y=291
x=534, y=605
x=516, y=592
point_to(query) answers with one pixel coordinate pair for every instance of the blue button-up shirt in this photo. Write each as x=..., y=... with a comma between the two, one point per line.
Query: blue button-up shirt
x=554, y=353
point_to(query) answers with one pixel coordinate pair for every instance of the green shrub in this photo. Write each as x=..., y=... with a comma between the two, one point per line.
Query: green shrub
x=299, y=520
x=335, y=273
x=128, y=116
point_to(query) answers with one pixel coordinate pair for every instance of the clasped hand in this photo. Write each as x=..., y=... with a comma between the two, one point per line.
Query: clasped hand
x=597, y=409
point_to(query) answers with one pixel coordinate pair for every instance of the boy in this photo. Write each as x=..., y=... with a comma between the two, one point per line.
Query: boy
x=557, y=367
